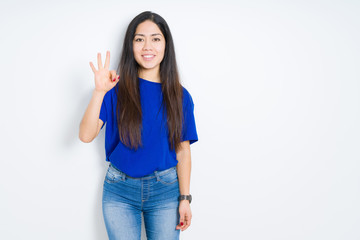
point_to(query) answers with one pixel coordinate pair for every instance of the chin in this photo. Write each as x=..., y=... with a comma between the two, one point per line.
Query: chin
x=148, y=66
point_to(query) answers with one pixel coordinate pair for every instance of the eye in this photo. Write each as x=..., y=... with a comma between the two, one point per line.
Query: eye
x=136, y=40
x=157, y=39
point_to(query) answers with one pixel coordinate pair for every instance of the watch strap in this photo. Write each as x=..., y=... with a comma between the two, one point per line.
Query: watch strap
x=185, y=197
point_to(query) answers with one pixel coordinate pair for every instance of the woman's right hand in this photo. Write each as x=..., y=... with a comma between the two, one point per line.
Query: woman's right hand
x=104, y=79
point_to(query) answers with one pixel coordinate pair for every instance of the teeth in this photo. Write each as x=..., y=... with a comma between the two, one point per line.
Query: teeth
x=148, y=56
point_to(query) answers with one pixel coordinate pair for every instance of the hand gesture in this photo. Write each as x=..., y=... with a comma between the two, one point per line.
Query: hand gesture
x=104, y=79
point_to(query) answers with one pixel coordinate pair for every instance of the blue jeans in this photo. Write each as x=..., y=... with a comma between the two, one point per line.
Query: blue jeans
x=155, y=195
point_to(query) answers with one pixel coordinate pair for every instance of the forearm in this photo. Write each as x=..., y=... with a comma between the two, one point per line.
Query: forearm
x=90, y=120
x=184, y=169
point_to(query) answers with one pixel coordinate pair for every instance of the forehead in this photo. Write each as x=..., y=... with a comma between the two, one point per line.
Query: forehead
x=148, y=28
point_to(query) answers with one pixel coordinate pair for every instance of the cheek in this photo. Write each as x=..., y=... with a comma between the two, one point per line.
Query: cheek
x=161, y=49
x=137, y=54
x=136, y=49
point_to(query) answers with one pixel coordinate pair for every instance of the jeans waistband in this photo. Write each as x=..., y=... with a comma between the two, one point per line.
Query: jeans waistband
x=149, y=176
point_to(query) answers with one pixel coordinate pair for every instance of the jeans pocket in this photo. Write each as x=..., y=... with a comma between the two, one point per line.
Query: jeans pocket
x=113, y=175
x=169, y=177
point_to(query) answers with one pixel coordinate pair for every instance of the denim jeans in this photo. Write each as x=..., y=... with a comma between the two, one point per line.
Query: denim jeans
x=155, y=195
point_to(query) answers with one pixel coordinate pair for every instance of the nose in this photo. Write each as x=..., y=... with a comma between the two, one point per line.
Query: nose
x=147, y=45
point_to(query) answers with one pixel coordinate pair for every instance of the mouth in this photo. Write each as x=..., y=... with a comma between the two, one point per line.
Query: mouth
x=148, y=57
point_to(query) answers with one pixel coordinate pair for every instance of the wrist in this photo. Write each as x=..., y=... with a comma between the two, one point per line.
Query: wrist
x=184, y=202
x=185, y=198
x=99, y=92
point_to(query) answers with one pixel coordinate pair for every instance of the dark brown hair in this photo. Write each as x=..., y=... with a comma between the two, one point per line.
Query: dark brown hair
x=129, y=113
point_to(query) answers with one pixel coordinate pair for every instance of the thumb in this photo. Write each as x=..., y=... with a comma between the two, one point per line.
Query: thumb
x=113, y=75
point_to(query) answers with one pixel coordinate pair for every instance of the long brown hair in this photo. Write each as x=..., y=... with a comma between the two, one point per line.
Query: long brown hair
x=129, y=113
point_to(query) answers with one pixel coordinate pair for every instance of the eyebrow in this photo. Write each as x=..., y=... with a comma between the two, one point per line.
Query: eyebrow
x=154, y=34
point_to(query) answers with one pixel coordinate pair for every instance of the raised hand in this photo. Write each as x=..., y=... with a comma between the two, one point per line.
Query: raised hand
x=104, y=78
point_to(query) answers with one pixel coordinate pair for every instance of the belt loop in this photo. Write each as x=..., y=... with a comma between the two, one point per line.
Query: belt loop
x=122, y=174
x=157, y=175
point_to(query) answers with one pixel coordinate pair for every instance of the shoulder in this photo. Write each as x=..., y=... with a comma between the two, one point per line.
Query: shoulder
x=187, y=96
x=187, y=99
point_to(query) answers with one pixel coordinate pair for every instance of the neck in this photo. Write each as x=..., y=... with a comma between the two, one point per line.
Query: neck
x=150, y=74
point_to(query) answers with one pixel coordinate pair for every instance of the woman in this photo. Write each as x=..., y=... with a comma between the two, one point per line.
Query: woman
x=150, y=125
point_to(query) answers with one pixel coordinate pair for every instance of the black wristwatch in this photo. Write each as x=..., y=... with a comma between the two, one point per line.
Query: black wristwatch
x=185, y=197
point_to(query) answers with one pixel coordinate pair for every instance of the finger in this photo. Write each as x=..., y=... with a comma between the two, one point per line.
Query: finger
x=100, y=66
x=187, y=223
x=107, y=60
x=179, y=226
x=113, y=75
x=115, y=80
x=92, y=67
x=182, y=220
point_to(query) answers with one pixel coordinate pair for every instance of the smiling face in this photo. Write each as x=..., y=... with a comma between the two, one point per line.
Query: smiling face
x=149, y=47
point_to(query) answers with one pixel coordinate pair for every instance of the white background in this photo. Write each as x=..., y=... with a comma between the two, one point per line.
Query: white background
x=276, y=91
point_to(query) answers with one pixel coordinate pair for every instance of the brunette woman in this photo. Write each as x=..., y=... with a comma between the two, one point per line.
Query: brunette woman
x=150, y=125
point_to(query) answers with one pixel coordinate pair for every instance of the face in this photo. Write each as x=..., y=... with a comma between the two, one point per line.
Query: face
x=148, y=46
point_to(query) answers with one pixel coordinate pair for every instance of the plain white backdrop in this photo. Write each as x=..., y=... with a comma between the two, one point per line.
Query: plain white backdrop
x=276, y=88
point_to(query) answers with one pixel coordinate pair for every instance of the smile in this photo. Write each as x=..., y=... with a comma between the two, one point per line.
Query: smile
x=148, y=57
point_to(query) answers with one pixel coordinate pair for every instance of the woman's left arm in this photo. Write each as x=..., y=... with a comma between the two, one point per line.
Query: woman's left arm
x=184, y=171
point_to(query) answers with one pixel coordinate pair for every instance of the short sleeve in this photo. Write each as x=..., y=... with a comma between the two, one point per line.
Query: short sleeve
x=102, y=115
x=189, y=126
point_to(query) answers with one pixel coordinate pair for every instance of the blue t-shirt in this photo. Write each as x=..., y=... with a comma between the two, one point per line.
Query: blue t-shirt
x=155, y=155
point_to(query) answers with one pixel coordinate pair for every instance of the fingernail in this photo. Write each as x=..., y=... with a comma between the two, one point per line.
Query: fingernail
x=114, y=79
x=118, y=77
x=182, y=223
